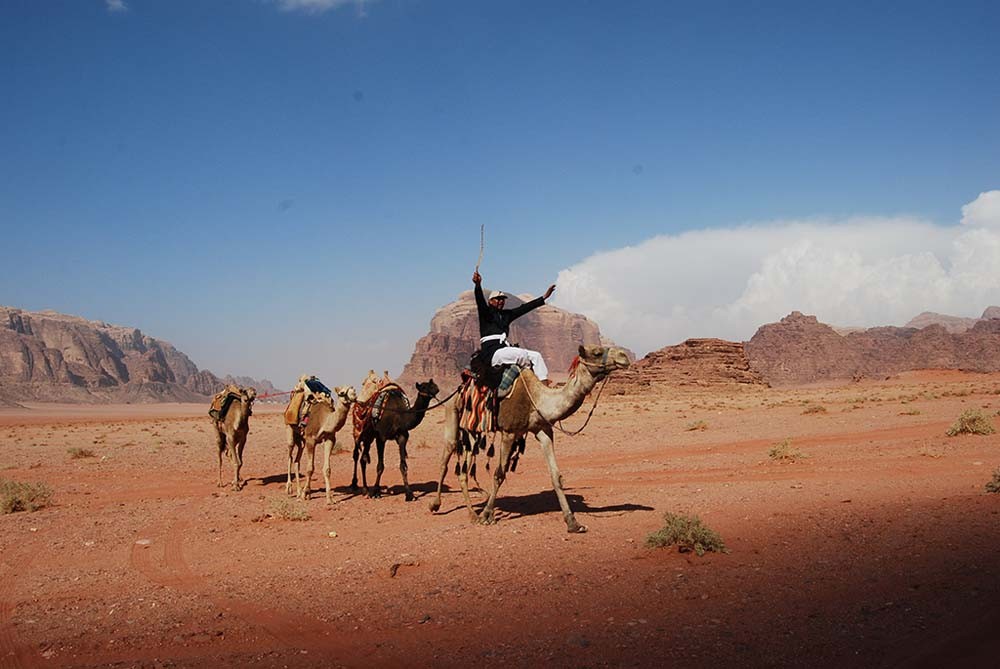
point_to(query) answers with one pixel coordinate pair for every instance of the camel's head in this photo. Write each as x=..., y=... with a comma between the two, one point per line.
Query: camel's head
x=346, y=394
x=371, y=379
x=429, y=388
x=249, y=395
x=602, y=360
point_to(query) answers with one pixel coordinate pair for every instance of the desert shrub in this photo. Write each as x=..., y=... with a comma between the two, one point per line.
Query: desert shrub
x=287, y=509
x=972, y=421
x=783, y=451
x=18, y=496
x=77, y=453
x=815, y=408
x=911, y=412
x=993, y=485
x=699, y=425
x=688, y=534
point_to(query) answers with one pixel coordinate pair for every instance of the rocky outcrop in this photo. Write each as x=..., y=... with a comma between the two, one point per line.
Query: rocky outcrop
x=799, y=349
x=454, y=335
x=953, y=324
x=48, y=356
x=700, y=362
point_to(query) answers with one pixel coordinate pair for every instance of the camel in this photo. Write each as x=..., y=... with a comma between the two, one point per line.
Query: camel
x=532, y=408
x=232, y=430
x=325, y=420
x=396, y=421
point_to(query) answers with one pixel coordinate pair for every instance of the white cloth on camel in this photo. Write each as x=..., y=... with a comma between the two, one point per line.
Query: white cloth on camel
x=522, y=357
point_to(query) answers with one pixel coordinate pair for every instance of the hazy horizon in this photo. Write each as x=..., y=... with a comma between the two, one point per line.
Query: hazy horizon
x=289, y=186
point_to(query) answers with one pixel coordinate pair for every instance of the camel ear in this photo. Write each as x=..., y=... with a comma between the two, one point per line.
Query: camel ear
x=582, y=350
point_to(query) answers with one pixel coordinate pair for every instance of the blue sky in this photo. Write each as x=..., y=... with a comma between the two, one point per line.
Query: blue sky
x=287, y=187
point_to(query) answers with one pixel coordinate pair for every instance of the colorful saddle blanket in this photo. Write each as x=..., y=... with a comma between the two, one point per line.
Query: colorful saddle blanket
x=365, y=414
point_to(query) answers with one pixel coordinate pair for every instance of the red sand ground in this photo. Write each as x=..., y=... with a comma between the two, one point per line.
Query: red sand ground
x=879, y=549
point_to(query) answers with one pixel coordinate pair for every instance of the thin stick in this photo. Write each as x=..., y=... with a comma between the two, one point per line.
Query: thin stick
x=482, y=229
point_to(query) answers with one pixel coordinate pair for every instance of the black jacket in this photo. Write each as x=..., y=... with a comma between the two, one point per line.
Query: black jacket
x=497, y=321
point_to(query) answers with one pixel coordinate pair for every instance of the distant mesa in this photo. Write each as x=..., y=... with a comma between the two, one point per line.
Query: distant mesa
x=444, y=352
x=48, y=356
x=799, y=349
x=695, y=362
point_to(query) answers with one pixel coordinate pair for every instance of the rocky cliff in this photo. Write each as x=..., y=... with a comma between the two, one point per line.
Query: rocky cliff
x=454, y=336
x=701, y=362
x=47, y=356
x=799, y=349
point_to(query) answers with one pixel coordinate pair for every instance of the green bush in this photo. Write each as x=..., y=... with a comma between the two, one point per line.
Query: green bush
x=18, y=496
x=688, y=534
x=972, y=421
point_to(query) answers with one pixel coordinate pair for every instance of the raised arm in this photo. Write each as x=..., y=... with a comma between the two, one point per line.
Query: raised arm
x=481, y=305
x=517, y=312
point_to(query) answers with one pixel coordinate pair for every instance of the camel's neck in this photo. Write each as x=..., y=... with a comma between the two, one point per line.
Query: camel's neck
x=339, y=415
x=241, y=412
x=557, y=403
x=416, y=414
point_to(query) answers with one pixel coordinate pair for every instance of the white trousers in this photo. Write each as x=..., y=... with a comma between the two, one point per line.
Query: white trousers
x=522, y=357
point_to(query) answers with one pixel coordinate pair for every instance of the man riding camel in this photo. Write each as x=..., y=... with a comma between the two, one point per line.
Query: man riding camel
x=494, y=326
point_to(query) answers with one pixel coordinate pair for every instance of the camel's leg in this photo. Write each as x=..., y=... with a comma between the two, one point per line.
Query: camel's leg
x=310, y=466
x=401, y=440
x=463, y=473
x=356, y=455
x=486, y=517
x=220, y=442
x=298, y=467
x=446, y=453
x=380, y=467
x=239, y=441
x=327, y=450
x=365, y=459
x=545, y=439
x=290, y=439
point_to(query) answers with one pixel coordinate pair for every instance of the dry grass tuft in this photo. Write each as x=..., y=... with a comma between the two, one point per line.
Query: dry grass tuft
x=972, y=421
x=77, y=453
x=815, y=408
x=287, y=509
x=994, y=484
x=783, y=451
x=688, y=534
x=18, y=496
x=699, y=425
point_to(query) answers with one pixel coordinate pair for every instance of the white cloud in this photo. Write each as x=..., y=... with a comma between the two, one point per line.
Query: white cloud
x=726, y=282
x=319, y=6
x=983, y=211
x=116, y=5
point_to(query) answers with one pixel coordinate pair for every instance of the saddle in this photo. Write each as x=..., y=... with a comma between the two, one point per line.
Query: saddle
x=483, y=388
x=367, y=413
x=297, y=410
x=223, y=400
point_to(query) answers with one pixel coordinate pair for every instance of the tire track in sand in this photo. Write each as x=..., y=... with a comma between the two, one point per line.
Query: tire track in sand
x=285, y=629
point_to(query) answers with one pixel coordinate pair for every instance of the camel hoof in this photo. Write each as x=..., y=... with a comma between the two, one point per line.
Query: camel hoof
x=487, y=520
x=576, y=528
x=434, y=505
x=409, y=497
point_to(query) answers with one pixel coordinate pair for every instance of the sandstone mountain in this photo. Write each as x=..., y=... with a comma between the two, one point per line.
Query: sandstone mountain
x=454, y=336
x=799, y=349
x=48, y=356
x=701, y=362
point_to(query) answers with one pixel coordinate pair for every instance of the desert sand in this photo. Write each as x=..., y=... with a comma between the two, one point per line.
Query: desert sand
x=877, y=549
